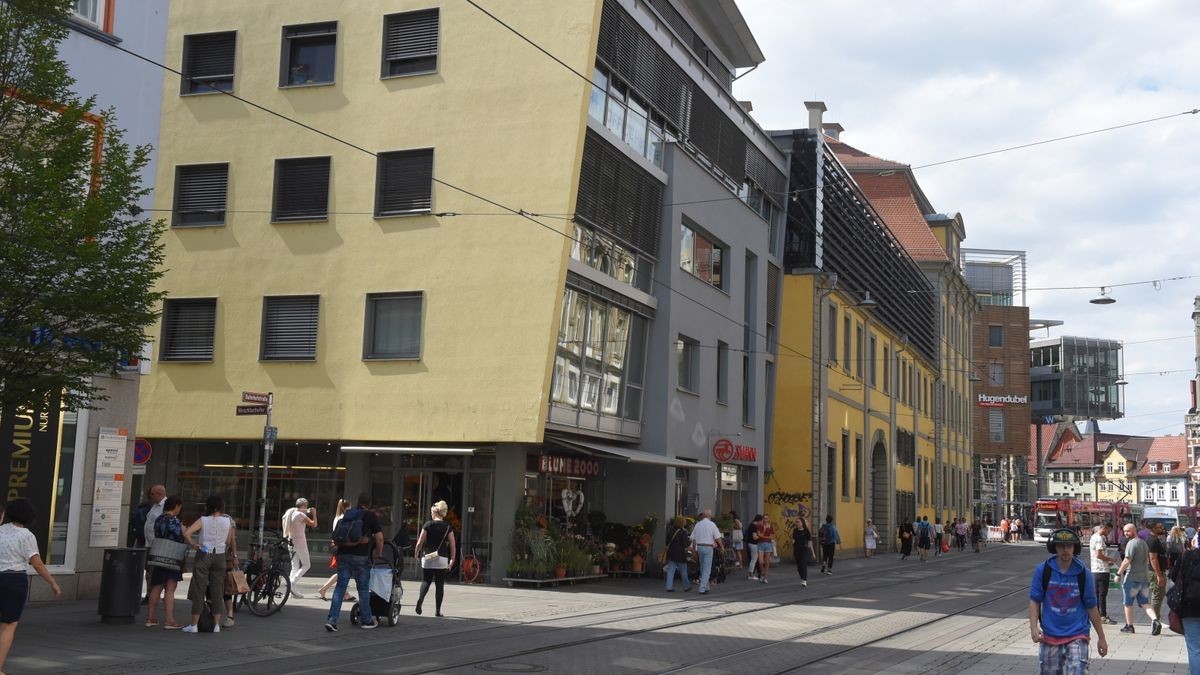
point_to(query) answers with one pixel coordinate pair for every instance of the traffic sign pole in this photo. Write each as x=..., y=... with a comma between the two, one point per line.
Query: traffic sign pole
x=268, y=447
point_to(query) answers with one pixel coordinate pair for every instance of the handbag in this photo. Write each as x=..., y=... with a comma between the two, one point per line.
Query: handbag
x=434, y=555
x=167, y=554
x=239, y=581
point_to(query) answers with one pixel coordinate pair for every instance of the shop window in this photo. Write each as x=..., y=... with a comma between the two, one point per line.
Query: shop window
x=404, y=183
x=290, y=328
x=309, y=54
x=393, y=329
x=189, y=329
x=687, y=356
x=410, y=43
x=208, y=63
x=301, y=189
x=200, y=194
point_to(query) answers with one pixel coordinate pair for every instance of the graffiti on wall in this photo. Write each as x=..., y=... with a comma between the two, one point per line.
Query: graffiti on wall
x=792, y=505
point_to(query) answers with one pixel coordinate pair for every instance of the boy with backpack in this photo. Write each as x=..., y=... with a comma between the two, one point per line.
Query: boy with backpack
x=829, y=537
x=1062, y=604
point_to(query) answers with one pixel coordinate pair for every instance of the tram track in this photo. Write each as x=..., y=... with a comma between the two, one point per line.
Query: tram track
x=454, y=640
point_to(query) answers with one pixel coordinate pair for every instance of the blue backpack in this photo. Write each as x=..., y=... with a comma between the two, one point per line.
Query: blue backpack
x=349, y=530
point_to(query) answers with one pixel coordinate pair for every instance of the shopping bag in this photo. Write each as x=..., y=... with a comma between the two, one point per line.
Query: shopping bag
x=239, y=579
x=945, y=547
x=381, y=582
x=166, y=554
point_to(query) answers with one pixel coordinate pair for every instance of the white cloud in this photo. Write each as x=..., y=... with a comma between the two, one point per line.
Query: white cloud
x=924, y=81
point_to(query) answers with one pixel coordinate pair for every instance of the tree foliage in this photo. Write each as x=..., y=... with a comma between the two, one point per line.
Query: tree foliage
x=78, y=261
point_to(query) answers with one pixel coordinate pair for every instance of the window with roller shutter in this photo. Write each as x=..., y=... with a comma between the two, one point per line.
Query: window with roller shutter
x=301, y=189
x=289, y=328
x=404, y=182
x=200, y=194
x=189, y=327
x=208, y=63
x=410, y=43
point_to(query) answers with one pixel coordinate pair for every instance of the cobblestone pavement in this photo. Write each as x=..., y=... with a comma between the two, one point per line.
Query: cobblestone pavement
x=963, y=613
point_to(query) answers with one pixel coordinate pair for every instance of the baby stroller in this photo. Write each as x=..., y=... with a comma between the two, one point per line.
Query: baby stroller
x=386, y=591
x=716, y=575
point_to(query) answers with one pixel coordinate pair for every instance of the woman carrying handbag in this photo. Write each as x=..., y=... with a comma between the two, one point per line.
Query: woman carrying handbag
x=436, y=559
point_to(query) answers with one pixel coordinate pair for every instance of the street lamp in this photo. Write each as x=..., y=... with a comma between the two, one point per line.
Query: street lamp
x=1104, y=298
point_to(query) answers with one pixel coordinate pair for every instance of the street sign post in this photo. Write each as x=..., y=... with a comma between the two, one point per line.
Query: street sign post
x=255, y=397
x=252, y=410
x=261, y=404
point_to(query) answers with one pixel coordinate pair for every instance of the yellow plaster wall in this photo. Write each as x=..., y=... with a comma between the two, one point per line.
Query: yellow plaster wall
x=505, y=122
x=791, y=456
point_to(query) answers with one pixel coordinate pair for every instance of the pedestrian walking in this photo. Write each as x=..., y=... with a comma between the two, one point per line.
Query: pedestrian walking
x=296, y=522
x=1004, y=530
x=976, y=535
x=1015, y=531
x=705, y=540
x=1062, y=602
x=1186, y=576
x=18, y=549
x=357, y=537
x=208, y=571
x=158, y=499
x=870, y=538
x=751, y=541
x=1135, y=584
x=961, y=530
x=802, y=547
x=736, y=537
x=162, y=580
x=1098, y=546
x=338, y=512
x=677, y=547
x=436, y=559
x=938, y=533
x=1176, y=544
x=1159, y=560
x=830, y=539
x=766, y=548
x=924, y=537
x=906, y=534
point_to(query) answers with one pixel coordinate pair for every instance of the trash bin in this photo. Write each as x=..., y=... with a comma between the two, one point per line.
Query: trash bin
x=121, y=584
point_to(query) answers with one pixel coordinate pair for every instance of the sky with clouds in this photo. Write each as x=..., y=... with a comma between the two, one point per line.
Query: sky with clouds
x=922, y=81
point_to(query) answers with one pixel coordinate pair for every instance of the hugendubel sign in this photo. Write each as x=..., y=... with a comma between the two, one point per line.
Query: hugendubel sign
x=992, y=401
x=727, y=452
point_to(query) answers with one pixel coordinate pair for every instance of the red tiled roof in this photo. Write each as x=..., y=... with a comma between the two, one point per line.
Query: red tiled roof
x=1166, y=449
x=893, y=198
x=1055, y=437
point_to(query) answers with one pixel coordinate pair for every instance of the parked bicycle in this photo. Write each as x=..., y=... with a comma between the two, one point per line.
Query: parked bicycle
x=268, y=574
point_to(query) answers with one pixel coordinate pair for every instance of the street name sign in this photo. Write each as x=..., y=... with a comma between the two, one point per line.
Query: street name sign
x=255, y=397
x=252, y=410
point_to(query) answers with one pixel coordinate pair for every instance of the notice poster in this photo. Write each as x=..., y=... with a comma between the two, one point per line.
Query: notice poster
x=109, y=488
x=29, y=443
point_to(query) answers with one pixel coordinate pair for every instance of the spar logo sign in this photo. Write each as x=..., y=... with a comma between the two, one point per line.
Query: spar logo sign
x=726, y=452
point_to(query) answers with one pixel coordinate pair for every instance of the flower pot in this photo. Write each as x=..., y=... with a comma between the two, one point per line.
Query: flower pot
x=638, y=562
x=595, y=569
x=560, y=572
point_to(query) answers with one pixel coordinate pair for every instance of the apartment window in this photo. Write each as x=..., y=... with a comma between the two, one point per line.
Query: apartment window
x=1162, y=493
x=404, y=183
x=393, y=329
x=410, y=43
x=845, y=465
x=1108, y=467
x=701, y=257
x=687, y=357
x=996, y=425
x=995, y=336
x=722, y=372
x=301, y=189
x=995, y=373
x=833, y=330
x=1149, y=494
x=90, y=10
x=1174, y=493
x=309, y=54
x=1154, y=467
x=858, y=350
x=200, y=193
x=874, y=368
x=208, y=61
x=289, y=329
x=846, y=343
x=189, y=329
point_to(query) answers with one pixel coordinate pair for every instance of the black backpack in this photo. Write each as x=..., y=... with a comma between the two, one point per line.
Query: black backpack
x=349, y=530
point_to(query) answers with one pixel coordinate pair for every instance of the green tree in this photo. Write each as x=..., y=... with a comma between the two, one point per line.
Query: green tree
x=78, y=262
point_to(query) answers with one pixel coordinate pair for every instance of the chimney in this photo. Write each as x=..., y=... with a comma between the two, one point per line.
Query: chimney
x=815, y=110
x=833, y=130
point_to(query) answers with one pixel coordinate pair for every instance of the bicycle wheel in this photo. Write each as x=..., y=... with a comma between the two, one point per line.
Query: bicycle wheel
x=470, y=569
x=269, y=592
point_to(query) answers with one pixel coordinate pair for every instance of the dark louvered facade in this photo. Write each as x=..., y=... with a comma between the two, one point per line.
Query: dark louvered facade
x=618, y=196
x=835, y=230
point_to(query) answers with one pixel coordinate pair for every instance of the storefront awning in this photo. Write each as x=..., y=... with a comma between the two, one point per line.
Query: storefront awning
x=634, y=456
x=409, y=449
